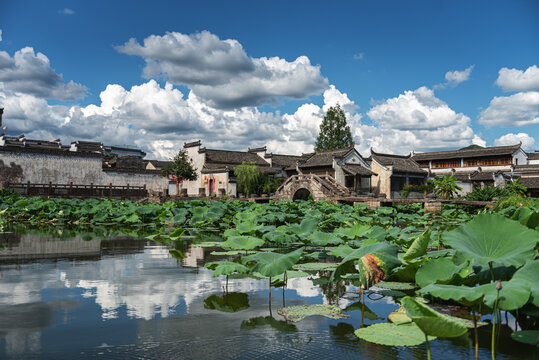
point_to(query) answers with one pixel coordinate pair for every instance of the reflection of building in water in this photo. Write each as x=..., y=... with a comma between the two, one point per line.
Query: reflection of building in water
x=30, y=246
x=193, y=256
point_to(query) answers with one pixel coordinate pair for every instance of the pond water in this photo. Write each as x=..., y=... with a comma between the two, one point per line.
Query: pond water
x=129, y=298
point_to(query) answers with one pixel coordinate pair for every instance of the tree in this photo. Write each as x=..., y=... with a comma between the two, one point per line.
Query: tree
x=334, y=131
x=516, y=188
x=249, y=178
x=180, y=168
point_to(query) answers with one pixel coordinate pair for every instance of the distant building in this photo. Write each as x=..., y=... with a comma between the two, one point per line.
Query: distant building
x=346, y=166
x=393, y=172
x=482, y=167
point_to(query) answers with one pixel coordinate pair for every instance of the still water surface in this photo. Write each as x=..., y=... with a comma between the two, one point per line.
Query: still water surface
x=130, y=299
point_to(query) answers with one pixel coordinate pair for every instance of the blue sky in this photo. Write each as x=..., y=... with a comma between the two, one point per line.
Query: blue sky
x=245, y=74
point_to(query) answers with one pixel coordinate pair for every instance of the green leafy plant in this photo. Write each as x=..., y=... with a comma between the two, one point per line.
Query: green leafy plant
x=250, y=179
x=446, y=187
x=487, y=193
x=516, y=188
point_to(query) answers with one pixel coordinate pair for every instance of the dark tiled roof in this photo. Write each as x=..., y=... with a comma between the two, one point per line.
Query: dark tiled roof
x=325, y=158
x=48, y=151
x=483, y=176
x=191, y=144
x=284, y=161
x=355, y=169
x=533, y=155
x=231, y=158
x=255, y=150
x=400, y=163
x=467, y=153
x=530, y=182
x=530, y=168
x=217, y=168
x=158, y=164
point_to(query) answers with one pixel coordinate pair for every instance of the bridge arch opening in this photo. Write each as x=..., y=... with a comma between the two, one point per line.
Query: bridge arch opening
x=302, y=194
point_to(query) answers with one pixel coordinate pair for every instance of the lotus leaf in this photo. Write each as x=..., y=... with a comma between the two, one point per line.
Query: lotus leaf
x=177, y=254
x=392, y=334
x=315, y=266
x=392, y=293
x=355, y=232
x=464, y=295
x=432, y=322
x=299, y=312
x=342, y=251
x=441, y=271
x=513, y=295
x=278, y=237
x=399, y=316
x=492, y=238
x=323, y=239
x=305, y=228
x=418, y=247
x=530, y=337
x=226, y=268
x=271, y=264
x=375, y=261
x=396, y=285
x=248, y=227
x=242, y=242
x=529, y=273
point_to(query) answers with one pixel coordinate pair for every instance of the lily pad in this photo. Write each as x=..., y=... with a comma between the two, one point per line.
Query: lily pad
x=396, y=285
x=392, y=293
x=242, y=242
x=299, y=312
x=530, y=337
x=464, y=295
x=271, y=264
x=392, y=334
x=315, y=266
x=367, y=313
x=441, y=271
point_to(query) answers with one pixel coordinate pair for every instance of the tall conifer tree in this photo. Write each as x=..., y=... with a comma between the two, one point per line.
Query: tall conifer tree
x=334, y=131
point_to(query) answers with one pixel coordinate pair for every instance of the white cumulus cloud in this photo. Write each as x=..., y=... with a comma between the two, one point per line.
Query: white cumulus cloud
x=456, y=77
x=30, y=73
x=220, y=71
x=518, y=80
x=415, y=120
x=66, y=11
x=528, y=142
x=519, y=109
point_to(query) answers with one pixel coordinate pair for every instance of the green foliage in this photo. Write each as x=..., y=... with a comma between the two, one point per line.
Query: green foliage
x=487, y=193
x=392, y=334
x=516, y=188
x=230, y=303
x=272, y=184
x=515, y=201
x=491, y=238
x=250, y=179
x=446, y=187
x=271, y=264
x=407, y=189
x=432, y=322
x=181, y=168
x=334, y=131
x=530, y=337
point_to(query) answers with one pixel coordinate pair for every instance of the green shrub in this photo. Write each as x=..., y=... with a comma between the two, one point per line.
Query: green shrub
x=516, y=201
x=487, y=193
x=516, y=188
x=446, y=187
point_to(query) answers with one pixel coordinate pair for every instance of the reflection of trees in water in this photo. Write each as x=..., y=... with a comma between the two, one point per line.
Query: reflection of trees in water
x=333, y=290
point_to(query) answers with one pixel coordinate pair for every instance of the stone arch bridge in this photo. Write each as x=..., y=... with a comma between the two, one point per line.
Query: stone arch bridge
x=299, y=187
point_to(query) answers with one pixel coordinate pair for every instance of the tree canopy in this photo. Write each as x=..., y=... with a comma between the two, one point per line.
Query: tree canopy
x=249, y=178
x=181, y=168
x=334, y=131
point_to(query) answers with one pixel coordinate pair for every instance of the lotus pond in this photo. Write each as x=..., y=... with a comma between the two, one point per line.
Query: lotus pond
x=232, y=279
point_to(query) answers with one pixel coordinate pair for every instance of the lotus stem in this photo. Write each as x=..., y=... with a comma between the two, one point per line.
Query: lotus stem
x=270, y=297
x=475, y=334
x=428, y=346
x=491, y=271
x=494, y=313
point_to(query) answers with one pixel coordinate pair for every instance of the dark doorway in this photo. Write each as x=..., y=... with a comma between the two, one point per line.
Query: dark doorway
x=302, y=194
